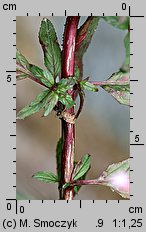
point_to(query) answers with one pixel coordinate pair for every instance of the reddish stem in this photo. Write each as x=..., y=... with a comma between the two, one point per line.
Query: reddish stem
x=85, y=182
x=69, y=46
x=68, y=60
x=97, y=83
x=81, y=105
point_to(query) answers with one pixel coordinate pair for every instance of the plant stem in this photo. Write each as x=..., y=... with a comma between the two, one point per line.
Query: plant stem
x=102, y=83
x=81, y=105
x=85, y=182
x=68, y=129
x=97, y=83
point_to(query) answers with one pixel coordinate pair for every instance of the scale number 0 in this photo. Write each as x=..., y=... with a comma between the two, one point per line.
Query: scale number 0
x=20, y=208
x=124, y=6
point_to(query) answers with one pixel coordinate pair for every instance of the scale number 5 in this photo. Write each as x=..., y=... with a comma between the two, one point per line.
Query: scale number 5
x=9, y=78
x=136, y=138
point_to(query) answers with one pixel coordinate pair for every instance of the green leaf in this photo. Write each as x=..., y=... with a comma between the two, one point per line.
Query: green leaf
x=116, y=177
x=66, y=100
x=20, y=75
x=118, y=85
x=121, y=22
x=58, y=157
x=84, y=36
x=21, y=60
x=77, y=188
x=85, y=85
x=52, y=101
x=126, y=65
x=24, y=70
x=47, y=177
x=39, y=102
x=22, y=66
x=81, y=167
x=44, y=76
x=77, y=71
x=65, y=84
x=66, y=185
x=50, y=46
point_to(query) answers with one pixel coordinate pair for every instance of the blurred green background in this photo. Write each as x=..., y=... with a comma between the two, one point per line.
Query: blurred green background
x=102, y=130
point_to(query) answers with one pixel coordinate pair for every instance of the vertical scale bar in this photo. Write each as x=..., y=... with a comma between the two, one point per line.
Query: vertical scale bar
x=130, y=104
x=8, y=97
x=14, y=110
x=135, y=84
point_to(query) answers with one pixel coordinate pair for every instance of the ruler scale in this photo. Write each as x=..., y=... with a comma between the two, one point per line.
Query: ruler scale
x=75, y=215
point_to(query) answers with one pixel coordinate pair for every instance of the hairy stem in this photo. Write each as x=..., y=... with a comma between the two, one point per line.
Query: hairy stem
x=68, y=129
